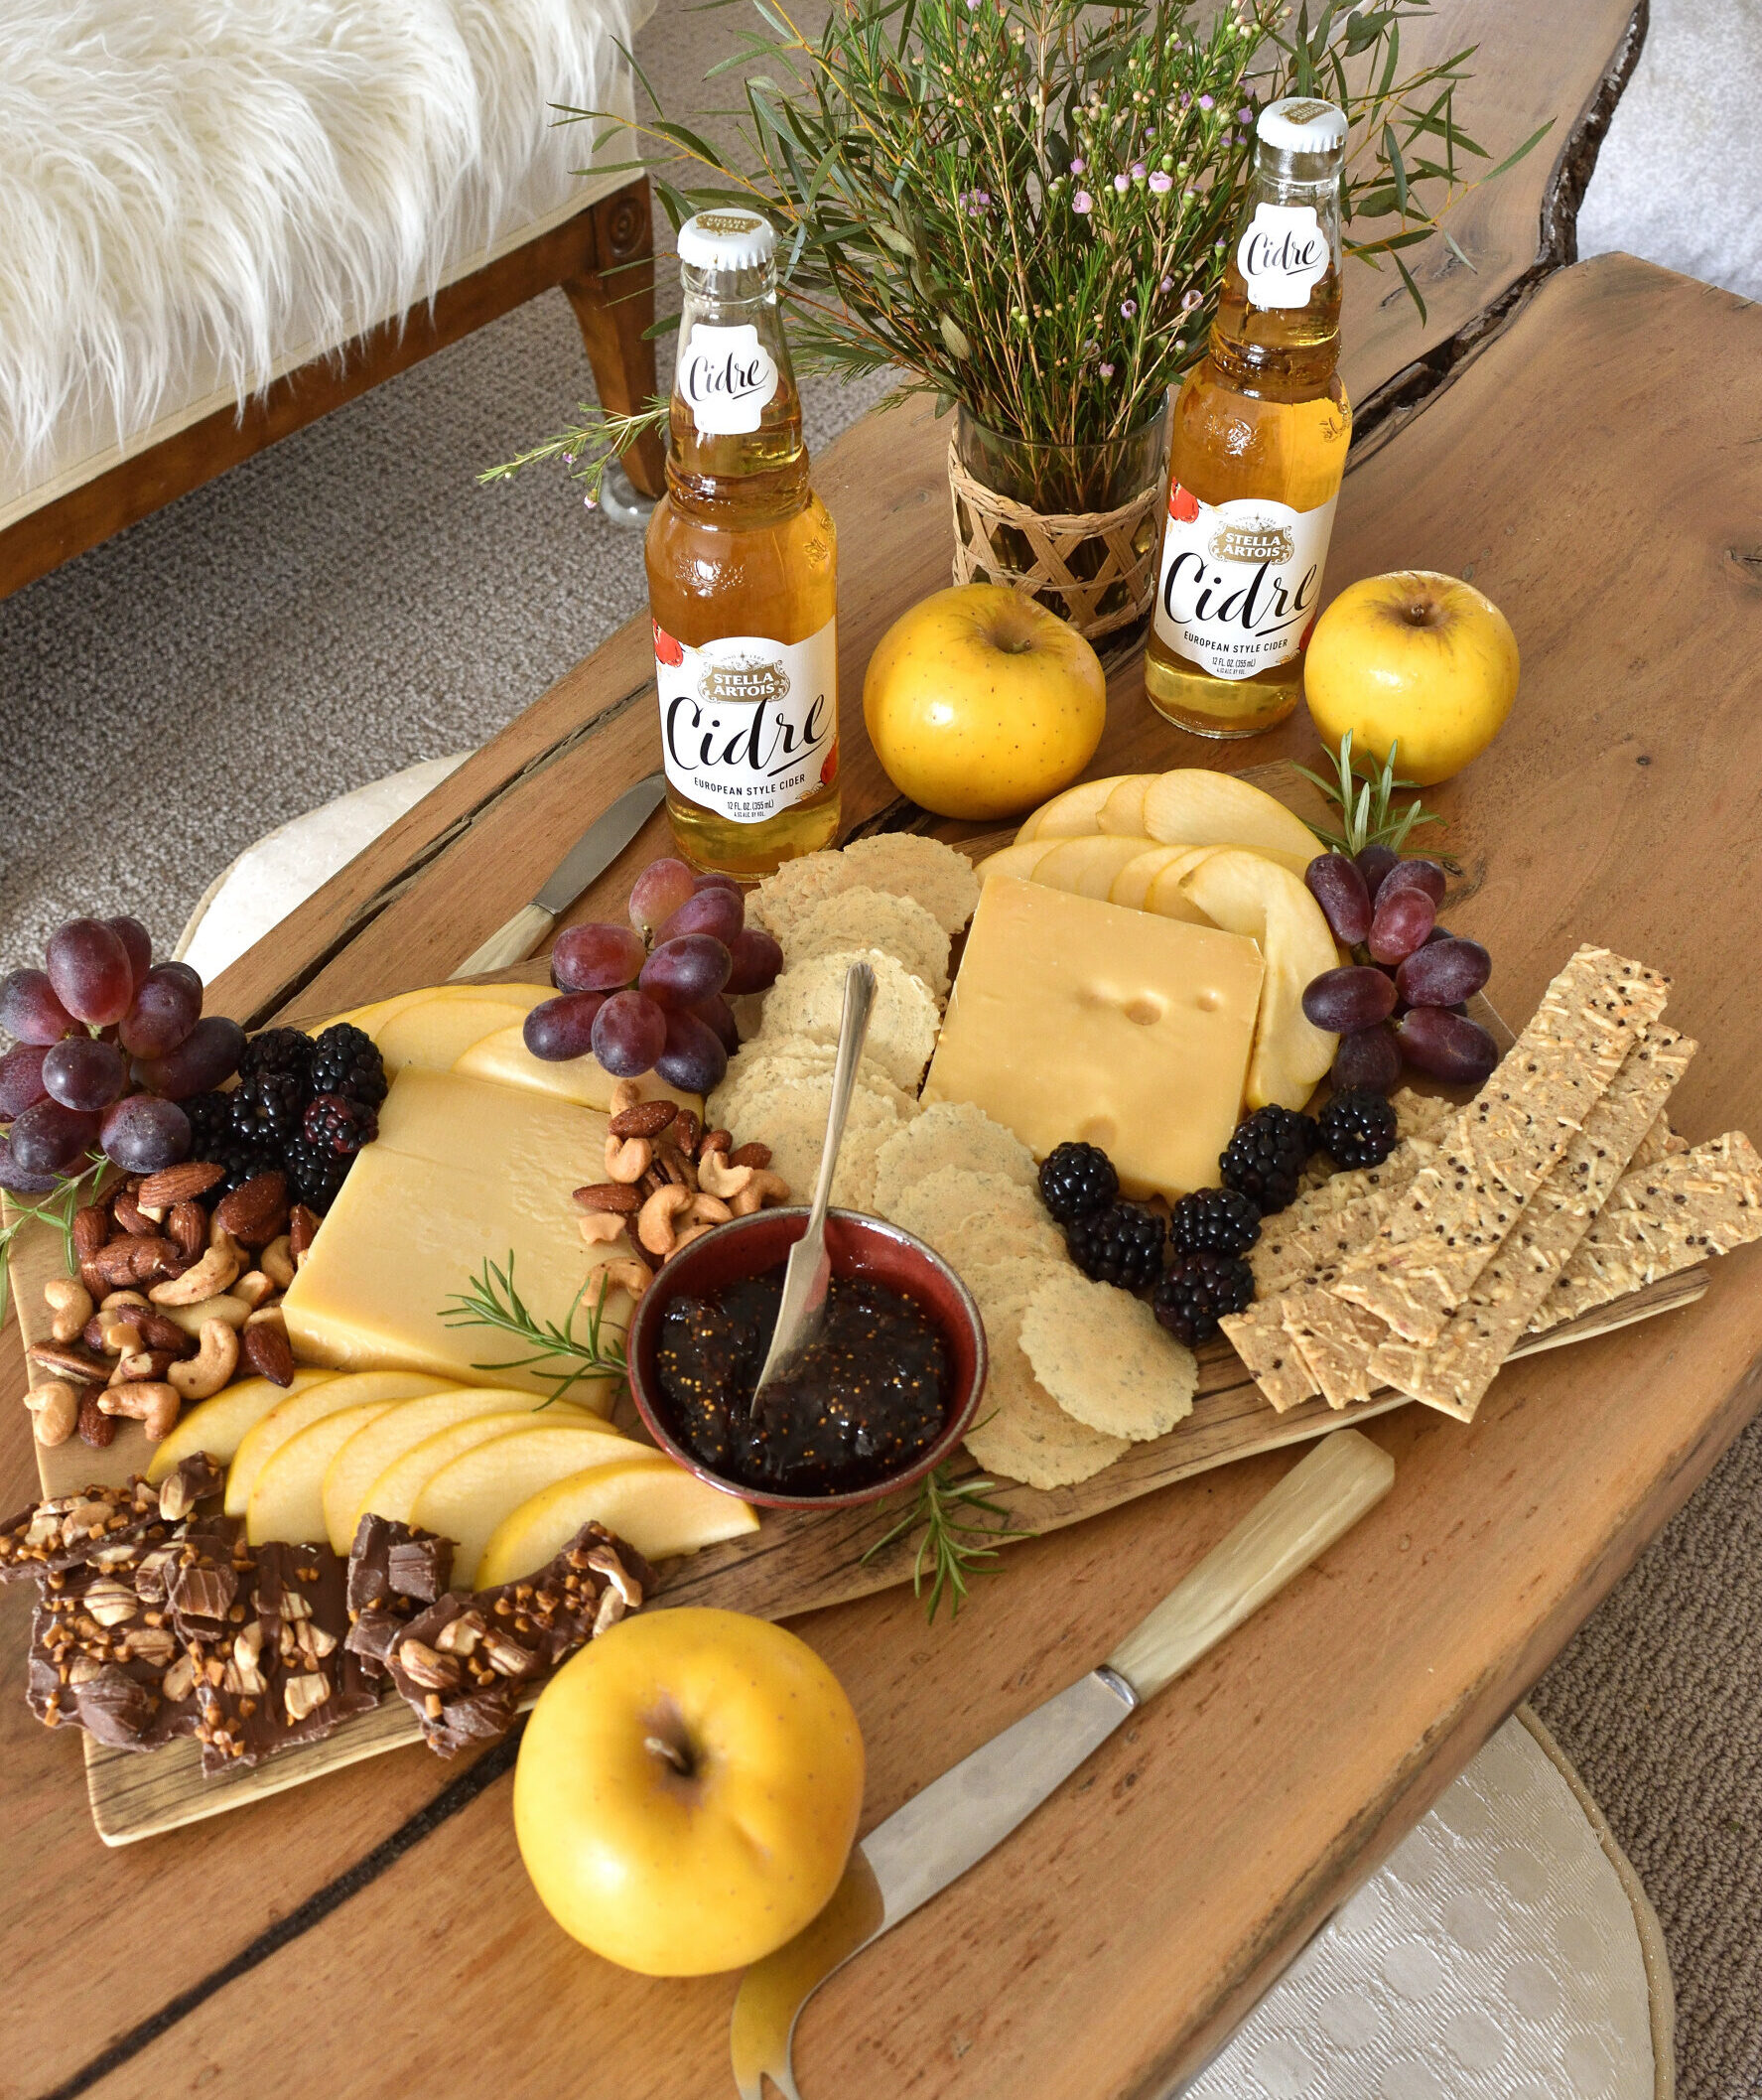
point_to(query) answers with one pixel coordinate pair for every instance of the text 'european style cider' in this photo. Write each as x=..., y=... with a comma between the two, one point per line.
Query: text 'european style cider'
x=1261, y=429
x=743, y=573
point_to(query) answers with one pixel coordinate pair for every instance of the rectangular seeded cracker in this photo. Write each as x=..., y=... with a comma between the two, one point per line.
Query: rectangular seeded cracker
x=1455, y=1370
x=1495, y=1154
x=1276, y=1365
x=1336, y=1341
x=1662, y=1218
x=1323, y=1229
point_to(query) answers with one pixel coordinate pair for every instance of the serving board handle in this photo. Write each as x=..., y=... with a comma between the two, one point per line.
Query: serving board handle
x=1318, y=1501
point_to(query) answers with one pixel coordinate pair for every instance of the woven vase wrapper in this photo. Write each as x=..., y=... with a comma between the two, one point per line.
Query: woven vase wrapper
x=1054, y=539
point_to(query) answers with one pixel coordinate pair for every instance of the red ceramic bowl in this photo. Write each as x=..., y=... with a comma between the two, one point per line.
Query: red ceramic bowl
x=859, y=1246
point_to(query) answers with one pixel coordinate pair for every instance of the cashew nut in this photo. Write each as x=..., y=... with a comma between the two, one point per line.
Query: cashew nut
x=685, y=1239
x=654, y=1221
x=276, y=1262
x=717, y=1178
x=626, y=1093
x=204, y=1374
x=628, y=1275
x=601, y=1228
x=154, y=1405
x=705, y=1210
x=115, y=1300
x=253, y=1287
x=54, y=1410
x=764, y=1188
x=70, y=1303
x=627, y=1159
x=119, y=1334
x=209, y=1276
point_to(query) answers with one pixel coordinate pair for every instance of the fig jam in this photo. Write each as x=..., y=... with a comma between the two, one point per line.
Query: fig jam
x=868, y=1396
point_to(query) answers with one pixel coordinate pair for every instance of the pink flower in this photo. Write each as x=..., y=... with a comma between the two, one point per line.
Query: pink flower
x=1082, y=202
x=1122, y=183
x=1188, y=301
x=1205, y=102
x=1107, y=371
x=1139, y=170
x=1078, y=165
x=1129, y=307
x=1168, y=285
x=1161, y=184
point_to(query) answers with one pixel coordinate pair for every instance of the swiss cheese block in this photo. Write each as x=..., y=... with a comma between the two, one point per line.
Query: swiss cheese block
x=462, y=1173
x=1077, y=1018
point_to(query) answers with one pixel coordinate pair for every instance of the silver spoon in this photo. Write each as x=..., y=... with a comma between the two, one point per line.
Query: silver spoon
x=802, y=1312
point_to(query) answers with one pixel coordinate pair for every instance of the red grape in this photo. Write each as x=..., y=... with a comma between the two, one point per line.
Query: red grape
x=1443, y=972
x=1369, y=1057
x=1415, y=875
x=49, y=1139
x=596, y=958
x=164, y=1011
x=142, y=1134
x=1446, y=1045
x=716, y=1012
x=89, y=968
x=182, y=971
x=1339, y=888
x=681, y=973
x=1343, y=1000
x=14, y=1178
x=208, y=1054
x=1374, y=862
x=714, y=911
x=693, y=1058
x=630, y=1034
x=756, y=958
x=30, y=1010
x=83, y=1073
x=137, y=940
x=657, y=892
x=563, y=1028
x=21, y=1079
x=717, y=880
x=1400, y=924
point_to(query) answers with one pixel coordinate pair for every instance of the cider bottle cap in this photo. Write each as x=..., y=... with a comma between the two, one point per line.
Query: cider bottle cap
x=1301, y=124
x=727, y=239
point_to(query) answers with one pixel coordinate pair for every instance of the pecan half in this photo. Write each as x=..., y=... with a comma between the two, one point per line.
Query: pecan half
x=62, y=1360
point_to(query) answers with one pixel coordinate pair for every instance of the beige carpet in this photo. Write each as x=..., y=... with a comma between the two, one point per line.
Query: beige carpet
x=350, y=603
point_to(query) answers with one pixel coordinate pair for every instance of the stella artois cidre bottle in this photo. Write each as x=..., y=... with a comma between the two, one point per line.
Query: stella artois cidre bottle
x=1260, y=429
x=743, y=573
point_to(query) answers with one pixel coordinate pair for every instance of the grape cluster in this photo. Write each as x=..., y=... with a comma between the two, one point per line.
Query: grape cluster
x=653, y=995
x=1403, y=1000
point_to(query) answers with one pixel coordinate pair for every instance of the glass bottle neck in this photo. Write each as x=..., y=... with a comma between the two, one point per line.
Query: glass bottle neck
x=1286, y=249
x=734, y=445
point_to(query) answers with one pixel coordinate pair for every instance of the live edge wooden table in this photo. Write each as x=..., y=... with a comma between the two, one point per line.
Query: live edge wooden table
x=1596, y=468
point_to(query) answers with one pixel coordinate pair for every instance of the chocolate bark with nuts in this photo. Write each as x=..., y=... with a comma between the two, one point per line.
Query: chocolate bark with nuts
x=394, y=1572
x=69, y=1530
x=101, y=1654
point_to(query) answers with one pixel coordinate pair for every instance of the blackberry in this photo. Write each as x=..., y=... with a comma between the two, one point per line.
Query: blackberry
x=1357, y=1128
x=1122, y=1244
x=267, y=1104
x=1264, y=1158
x=335, y=1123
x=1197, y=1289
x=1214, y=1221
x=285, y=1050
x=345, y=1060
x=315, y=1172
x=1075, y=1179
x=242, y=1158
x=210, y=1123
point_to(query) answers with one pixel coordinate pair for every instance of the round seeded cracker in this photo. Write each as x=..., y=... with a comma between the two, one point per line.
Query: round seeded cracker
x=951, y=1133
x=792, y=1119
x=874, y=919
x=808, y=1000
x=1102, y=1356
x=781, y=899
x=769, y=1061
x=955, y=1196
x=911, y=865
x=1021, y=1432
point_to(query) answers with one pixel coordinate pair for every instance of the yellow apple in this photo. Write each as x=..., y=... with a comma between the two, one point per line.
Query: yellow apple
x=1415, y=659
x=980, y=702
x=688, y=1791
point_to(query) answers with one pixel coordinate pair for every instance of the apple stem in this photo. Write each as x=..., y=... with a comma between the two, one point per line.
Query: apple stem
x=659, y=1746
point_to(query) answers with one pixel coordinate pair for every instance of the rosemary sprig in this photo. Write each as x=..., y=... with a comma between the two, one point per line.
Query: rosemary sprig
x=962, y=1533
x=1363, y=800
x=56, y=1211
x=494, y=1302
x=588, y=447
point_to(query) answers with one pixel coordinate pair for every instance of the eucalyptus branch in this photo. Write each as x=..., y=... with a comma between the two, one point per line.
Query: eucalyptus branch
x=962, y=1531
x=556, y=1352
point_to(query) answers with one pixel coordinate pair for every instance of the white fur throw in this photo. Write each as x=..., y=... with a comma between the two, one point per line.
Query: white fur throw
x=203, y=186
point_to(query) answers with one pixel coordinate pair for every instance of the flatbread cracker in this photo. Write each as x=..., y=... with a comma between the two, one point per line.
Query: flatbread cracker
x=1662, y=1218
x=808, y=1000
x=1103, y=1358
x=1274, y=1361
x=1337, y=1342
x=950, y=1134
x=911, y=865
x=1454, y=1372
x=1021, y=1432
x=874, y=919
x=1496, y=1152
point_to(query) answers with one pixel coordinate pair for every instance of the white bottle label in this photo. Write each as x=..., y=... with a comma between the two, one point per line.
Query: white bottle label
x=1282, y=255
x=1240, y=581
x=727, y=375
x=749, y=726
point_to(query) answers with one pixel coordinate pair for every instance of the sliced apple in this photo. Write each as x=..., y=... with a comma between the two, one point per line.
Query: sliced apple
x=1245, y=894
x=1018, y=860
x=355, y=1466
x=219, y=1425
x=288, y=1500
x=1132, y=886
x=1163, y=894
x=1194, y=808
x=291, y=1415
x=662, y=1510
x=1122, y=813
x=1086, y=866
x=465, y=1499
x=1072, y=815
x=504, y=1058
x=393, y=1494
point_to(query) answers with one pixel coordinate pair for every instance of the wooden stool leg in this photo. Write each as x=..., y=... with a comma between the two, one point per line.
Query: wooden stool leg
x=614, y=304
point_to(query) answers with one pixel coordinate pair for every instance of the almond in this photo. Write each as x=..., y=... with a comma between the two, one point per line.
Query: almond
x=302, y=1224
x=133, y=1259
x=187, y=1227
x=178, y=1185
x=125, y=1208
x=753, y=1155
x=618, y=1197
x=257, y=1211
x=91, y=1228
x=646, y=1120
x=265, y=1350
x=95, y=1427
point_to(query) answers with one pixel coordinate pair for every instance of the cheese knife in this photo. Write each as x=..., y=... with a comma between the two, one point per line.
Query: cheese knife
x=959, y=1818
x=590, y=855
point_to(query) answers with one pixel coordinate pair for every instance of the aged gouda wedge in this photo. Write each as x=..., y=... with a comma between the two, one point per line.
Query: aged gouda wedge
x=462, y=1172
x=1076, y=1018
x=505, y=1059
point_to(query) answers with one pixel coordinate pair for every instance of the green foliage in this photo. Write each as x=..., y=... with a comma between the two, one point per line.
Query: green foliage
x=554, y=1351
x=962, y=1531
x=54, y=1210
x=1365, y=802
